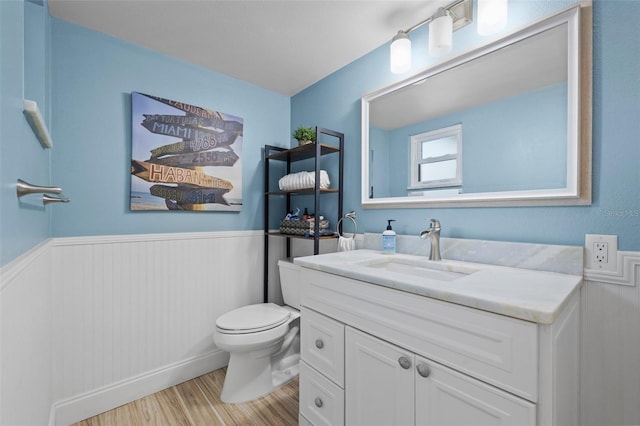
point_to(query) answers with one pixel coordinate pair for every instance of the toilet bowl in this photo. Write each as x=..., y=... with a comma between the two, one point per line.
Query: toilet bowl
x=263, y=341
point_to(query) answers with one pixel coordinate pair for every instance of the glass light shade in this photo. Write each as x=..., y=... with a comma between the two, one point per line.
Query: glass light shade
x=492, y=16
x=400, y=54
x=440, y=35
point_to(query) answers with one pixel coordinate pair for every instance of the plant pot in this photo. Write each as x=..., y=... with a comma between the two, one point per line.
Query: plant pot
x=301, y=142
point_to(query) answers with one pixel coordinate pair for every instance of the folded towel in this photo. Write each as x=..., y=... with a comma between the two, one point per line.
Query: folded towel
x=303, y=180
x=346, y=244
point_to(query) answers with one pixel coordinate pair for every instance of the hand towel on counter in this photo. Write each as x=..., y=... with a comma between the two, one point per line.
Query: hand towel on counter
x=303, y=180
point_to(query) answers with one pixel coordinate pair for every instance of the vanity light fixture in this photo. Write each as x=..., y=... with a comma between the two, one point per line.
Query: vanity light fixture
x=492, y=16
x=400, y=53
x=446, y=20
x=440, y=33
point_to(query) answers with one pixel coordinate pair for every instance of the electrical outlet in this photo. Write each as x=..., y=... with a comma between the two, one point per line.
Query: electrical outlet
x=601, y=252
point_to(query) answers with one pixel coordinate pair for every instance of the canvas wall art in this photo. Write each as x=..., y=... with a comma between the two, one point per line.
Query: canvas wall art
x=184, y=157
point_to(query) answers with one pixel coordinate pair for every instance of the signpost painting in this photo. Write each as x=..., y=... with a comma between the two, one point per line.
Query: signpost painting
x=184, y=157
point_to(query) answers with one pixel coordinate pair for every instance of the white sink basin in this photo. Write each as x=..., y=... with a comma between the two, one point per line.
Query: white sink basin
x=435, y=270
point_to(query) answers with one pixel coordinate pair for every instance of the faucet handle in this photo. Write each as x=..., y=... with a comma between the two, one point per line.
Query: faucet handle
x=434, y=224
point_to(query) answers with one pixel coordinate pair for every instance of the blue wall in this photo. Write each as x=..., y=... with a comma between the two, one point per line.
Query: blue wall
x=513, y=124
x=23, y=223
x=93, y=76
x=82, y=81
x=334, y=102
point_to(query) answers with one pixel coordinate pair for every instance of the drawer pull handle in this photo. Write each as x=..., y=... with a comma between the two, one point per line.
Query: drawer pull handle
x=404, y=362
x=318, y=402
x=319, y=344
x=423, y=370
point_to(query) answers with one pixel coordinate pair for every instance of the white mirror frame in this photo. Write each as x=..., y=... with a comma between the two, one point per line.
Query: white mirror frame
x=578, y=191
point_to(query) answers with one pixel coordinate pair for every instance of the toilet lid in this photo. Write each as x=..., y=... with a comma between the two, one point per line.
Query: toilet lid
x=259, y=317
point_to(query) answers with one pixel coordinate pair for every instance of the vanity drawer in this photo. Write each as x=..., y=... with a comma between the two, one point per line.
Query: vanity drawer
x=496, y=349
x=321, y=401
x=322, y=344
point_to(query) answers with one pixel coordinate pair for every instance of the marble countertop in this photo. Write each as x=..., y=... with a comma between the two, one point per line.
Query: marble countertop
x=536, y=296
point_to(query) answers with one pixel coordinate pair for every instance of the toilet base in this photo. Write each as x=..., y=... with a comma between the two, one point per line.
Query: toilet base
x=249, y=378
x=260, y=362
x=289, y=368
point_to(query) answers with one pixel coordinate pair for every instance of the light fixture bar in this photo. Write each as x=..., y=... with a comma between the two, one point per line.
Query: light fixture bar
x=457, y=14
x=461, y=12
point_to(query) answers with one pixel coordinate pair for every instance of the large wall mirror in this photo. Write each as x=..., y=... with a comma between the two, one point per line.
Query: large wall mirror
x=507, y=124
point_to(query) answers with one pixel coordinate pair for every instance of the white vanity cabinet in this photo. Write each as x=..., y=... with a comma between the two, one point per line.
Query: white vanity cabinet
x=392, y=357
x=388, y=385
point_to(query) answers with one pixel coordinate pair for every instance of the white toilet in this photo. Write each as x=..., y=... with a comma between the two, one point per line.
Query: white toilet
x=263, y=341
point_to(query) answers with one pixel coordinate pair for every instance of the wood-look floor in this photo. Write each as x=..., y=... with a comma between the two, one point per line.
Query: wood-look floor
x=197, y=402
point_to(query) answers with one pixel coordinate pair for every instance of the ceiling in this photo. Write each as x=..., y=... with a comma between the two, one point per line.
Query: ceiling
x=283, y=46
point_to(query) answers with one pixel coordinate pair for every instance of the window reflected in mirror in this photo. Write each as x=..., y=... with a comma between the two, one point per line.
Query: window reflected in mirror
x=436, y=158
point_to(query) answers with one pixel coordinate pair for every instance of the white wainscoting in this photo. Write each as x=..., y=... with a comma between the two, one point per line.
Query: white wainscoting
x=135, y=314
x=26, y=396
x=95, y=321
x=610, y=345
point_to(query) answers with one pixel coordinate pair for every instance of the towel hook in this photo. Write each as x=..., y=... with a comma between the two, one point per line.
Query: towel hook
x=24, y=188
x=48, y=199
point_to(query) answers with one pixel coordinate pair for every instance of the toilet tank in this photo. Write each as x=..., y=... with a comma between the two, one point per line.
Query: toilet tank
x=290, y=283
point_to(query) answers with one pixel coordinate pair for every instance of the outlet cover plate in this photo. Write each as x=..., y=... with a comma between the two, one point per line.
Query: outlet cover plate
x=611, y=257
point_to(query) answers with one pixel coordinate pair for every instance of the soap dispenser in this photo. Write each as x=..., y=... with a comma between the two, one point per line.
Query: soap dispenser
x=389, y=239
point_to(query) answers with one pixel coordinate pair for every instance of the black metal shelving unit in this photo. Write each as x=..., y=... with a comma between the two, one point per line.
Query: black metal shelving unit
x=289, y=156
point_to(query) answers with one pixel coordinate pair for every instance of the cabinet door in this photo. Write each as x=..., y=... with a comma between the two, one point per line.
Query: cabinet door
x=379, y=379
x=446, y=397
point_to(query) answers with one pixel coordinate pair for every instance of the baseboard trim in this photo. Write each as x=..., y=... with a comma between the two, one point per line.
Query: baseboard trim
x=100, y=400
x=52, y=416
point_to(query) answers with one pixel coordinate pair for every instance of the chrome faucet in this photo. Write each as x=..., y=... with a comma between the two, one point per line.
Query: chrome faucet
x=434, y=234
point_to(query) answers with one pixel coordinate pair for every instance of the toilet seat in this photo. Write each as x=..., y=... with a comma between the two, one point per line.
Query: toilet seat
x=252, y=319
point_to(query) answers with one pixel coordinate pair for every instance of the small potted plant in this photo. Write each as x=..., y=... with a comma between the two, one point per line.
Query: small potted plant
x=305, y=135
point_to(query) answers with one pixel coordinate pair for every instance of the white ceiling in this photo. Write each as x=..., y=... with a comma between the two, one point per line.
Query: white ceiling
x=283, y=46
